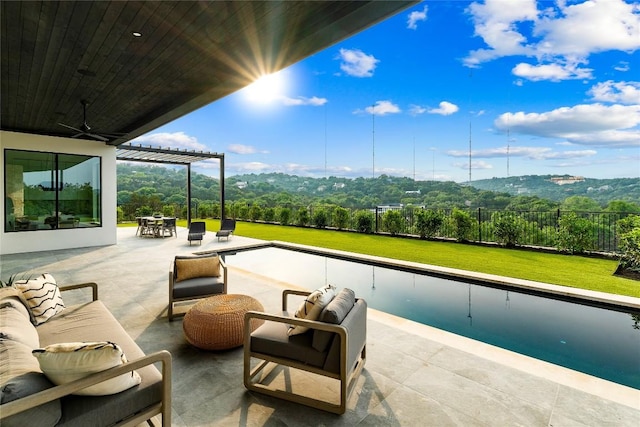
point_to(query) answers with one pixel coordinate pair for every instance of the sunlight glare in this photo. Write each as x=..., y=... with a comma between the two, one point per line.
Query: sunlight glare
x=265, y=89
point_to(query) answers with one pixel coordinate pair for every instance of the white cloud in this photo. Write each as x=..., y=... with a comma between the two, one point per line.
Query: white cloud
x=622, y=92
x=381, y=108
x=553, y=72
x=495, y=21
x=533, y=153
x=474, y=165
x=561, y=37
x=301, y=100
x=589, y=27
x=415, y=17
x=445, y=109
x=357, y=63
x=416, y=110
x=173, y=140
x=242, y=149
x=623, y=66
x=587, y=124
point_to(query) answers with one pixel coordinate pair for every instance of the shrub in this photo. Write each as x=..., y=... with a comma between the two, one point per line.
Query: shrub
x=243, y=212
x=428, y=222
x=508, y=228
x=284, y=216
x=120, y=214
x=392, y=221
x=364, y=221
x=340, y=218
x=574, y=234
x=269, y=214
x=462, y=224
x=320, y=219
x=629, y=234
x=303, y=216
x=255, y=213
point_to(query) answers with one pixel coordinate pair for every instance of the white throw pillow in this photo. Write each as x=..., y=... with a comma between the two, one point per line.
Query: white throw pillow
x=66, y=362
x=311, y=307
x=42, y=294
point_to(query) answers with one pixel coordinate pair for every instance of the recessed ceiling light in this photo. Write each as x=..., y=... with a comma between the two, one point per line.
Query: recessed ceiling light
x=136, y=34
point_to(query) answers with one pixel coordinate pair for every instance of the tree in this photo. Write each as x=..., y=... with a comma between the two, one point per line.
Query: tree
x=428, y=222
x=508, y=228
x=575, y=234
x=462, y=224
x=303, y=216
x=284, y=216
x=623, y=206
x=340, y=218
x=629, y=234
x=320, y=219
x=392, y=221
x=364, y=221
x=580, y=204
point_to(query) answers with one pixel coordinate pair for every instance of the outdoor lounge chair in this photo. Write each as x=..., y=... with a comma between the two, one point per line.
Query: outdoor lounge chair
x=197, y=231
x=227, y=227
x=195, y=276
x=334, y=348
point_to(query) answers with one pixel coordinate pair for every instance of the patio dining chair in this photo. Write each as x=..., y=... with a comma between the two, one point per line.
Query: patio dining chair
x=169, y=225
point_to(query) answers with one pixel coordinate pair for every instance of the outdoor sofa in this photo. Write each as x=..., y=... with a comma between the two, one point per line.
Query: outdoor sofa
x=29, y=398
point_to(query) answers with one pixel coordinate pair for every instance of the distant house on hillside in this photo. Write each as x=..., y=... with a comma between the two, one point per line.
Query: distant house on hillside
x=242, y=184
x=338, y=185
x=562, y=180
x=412, y=192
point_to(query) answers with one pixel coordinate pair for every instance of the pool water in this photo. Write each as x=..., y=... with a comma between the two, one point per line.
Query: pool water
x=594, y=340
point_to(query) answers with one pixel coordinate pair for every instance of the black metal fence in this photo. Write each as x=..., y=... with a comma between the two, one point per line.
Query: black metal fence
x=539, y=229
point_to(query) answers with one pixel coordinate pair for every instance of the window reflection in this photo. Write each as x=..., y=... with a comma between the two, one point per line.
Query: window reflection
x=45, y=191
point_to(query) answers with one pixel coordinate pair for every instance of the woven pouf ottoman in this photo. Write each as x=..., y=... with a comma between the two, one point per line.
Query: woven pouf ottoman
x=217, y=322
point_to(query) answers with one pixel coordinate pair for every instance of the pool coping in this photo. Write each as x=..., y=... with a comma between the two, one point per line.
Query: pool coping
x=558, y=291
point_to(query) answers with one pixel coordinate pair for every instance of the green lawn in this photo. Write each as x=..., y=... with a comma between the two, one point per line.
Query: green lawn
x=574, y=271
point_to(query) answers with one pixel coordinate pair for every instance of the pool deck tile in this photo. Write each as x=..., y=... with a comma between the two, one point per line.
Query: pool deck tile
x=415, y=375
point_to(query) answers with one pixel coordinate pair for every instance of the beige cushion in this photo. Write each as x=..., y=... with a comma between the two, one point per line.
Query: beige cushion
x=42, y=294
x=15, y=326
x=311, y=307
x=189, y=268
x=66, y=362
x=20, y=376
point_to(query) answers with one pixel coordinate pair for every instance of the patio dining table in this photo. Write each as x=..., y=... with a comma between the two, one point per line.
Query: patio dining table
x=154, y=225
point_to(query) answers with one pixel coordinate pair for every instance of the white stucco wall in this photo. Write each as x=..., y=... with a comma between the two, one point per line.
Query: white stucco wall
x=46, y=240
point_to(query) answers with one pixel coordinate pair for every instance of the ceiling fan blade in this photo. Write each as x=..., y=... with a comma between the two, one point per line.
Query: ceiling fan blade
x=98, y=137
x=71, y=127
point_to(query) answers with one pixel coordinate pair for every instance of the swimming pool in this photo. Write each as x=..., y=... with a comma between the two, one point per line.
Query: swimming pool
x=604, y=342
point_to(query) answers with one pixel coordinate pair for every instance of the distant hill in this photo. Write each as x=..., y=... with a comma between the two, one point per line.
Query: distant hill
x=156, y=186
x=559, y=187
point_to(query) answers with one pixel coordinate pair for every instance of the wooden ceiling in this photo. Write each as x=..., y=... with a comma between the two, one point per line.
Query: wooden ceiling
x=56, y=54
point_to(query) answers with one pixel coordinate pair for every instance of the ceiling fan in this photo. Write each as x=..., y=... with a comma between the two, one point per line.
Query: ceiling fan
x=85, y=129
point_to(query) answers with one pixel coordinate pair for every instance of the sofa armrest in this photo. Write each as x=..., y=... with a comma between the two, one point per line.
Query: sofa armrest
x=92, y=285
x=56, y=392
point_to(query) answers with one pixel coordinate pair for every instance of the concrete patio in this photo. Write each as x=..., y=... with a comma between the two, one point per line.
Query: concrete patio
x=414, y=375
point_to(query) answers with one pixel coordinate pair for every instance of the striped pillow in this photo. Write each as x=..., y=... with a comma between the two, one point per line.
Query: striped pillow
x=311, y=307
x=66, y=362
x=42, y=294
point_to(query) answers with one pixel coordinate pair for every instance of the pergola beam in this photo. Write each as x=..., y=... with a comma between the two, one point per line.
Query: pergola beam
x=148, y=154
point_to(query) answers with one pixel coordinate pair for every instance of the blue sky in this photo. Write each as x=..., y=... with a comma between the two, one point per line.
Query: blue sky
x=531, y=87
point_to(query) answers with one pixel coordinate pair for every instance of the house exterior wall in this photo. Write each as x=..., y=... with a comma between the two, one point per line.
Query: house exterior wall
x=46, y=240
